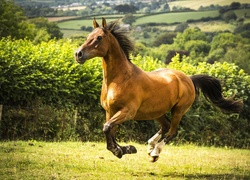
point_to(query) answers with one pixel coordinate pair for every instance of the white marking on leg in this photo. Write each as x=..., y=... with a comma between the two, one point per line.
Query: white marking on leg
x=158, y=148
x=153, y=141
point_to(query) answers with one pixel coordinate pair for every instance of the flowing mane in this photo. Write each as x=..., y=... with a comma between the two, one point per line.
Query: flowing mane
x=121, y=35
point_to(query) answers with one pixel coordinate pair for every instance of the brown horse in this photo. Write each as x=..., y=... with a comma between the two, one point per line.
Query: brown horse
x=129, y=93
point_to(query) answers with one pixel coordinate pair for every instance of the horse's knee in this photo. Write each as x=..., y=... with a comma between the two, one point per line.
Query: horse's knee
x=106, y=128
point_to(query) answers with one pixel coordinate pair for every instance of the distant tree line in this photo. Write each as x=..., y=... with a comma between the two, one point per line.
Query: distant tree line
x=14, y=23
x=52, y=8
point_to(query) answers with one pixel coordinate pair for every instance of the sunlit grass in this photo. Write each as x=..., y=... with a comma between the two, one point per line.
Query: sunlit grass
x=175, y=17
x=91, y=160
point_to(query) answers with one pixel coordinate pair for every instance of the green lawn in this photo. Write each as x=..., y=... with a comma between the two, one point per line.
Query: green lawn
x=91, y=160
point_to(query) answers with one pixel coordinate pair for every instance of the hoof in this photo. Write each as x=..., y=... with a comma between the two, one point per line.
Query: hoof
x=153, y=158
x=129, y=149
x=118, y=152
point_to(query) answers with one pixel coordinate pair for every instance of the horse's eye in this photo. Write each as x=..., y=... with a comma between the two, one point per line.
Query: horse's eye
x=99, y=38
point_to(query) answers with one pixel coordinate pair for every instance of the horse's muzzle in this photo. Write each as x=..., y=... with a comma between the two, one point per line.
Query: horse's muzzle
x=79, y=56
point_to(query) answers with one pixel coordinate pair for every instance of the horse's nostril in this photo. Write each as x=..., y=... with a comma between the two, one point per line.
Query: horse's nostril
x=79, y=54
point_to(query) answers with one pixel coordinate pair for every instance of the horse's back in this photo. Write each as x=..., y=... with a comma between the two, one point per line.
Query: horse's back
x=171, y=75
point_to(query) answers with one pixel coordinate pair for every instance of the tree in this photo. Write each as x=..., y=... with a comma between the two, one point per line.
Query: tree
x=166, y=7
x=229, y=16
x=166, y=38
x=13, y=21
x=188, y=35
x=181, y=27
x=51, y=27
x=125, y=8
x=197, y=47
x=235, y=5
x=226, y=41
x=129, y=19
x=244, y=30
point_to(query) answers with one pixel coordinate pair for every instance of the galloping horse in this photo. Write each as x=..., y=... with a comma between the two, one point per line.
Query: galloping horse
x=129, y=93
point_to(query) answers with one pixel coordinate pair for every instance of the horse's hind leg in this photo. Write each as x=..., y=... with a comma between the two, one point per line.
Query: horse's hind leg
x=165, y=125
x=177, y=113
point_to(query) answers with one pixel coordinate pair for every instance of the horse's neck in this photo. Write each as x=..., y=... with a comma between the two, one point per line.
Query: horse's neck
x=116, y=67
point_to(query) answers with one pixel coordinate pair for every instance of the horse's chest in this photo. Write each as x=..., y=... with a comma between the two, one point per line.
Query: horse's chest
x=110, y=99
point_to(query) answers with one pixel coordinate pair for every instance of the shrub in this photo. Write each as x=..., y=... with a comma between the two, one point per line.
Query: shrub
x=48, y=96
x=204, y=123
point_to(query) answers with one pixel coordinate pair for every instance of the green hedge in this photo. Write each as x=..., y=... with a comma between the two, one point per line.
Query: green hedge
x=46, y=95
x=206, y=124
x=46, y=71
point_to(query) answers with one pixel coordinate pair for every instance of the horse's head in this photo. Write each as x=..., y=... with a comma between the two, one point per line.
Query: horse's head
x=96, y=44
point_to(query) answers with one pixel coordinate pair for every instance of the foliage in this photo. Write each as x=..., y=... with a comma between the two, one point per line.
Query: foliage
x=181, y=27
x=15, y=24
x=44, y=73
x=125, y=8
x=229, y=16
x=206, y=124
x=197, y=47
x=188, y=35
x=128, y=19
x=222, y=47
x=51, y=27
x=13, y=21
x=165, y=38
x=244, y=30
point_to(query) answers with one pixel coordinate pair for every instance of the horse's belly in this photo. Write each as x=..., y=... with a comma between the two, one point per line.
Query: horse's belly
x=154, y=109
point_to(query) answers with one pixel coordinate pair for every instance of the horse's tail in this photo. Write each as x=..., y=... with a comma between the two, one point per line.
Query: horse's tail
x=212, y=90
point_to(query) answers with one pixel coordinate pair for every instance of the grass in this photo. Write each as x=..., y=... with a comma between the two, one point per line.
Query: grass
x=175, y=17
x=157, y=18
x=195, y=4
x=213, y=26
x=67, y=33
x=75, y=24
x=91, y=160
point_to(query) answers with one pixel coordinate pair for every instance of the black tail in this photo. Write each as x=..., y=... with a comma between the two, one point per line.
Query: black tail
x=212, y=90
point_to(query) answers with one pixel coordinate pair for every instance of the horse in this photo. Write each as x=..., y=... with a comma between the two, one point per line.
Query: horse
x=129, y=93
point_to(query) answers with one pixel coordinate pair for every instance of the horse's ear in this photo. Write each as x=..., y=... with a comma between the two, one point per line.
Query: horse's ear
x=104, y=24
x=96, y=25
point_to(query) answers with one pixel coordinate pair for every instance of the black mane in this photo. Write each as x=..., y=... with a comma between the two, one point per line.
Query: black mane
x=121, y=35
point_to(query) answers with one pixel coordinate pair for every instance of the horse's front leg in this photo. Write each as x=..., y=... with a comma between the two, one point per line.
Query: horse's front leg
x=111, y=143
x=109, y=130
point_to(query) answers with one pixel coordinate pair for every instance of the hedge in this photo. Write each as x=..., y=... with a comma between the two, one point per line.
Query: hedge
x=46, y=95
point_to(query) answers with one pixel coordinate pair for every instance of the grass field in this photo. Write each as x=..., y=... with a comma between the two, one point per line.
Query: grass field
x=213, y=26
x=158, y=18
x=175, y=17
x=195, y=4
x=91, y=160
x=76, y=24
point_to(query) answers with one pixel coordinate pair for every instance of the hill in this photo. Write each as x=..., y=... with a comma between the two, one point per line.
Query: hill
x=196, y=4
